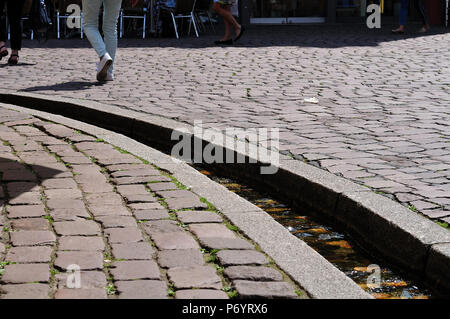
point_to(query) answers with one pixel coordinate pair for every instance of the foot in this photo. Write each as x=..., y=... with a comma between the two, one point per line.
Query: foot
x=13, y=59
x=424, y=29
x=109, y=76
x=224, y=42
x=239, y=33
x=3, y=51
x=103, y=66
x=399, y=30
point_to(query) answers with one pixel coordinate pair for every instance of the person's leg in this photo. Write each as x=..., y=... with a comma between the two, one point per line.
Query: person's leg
x=3, y=31
x=420, y=6
x=111, y=11
x=225, y=12
x=91, y=11
x=15, y=8
x=403, y=16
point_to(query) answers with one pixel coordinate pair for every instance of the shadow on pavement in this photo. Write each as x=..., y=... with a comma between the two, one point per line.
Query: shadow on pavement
x=17, y=179
x=321, y=36
x=18, y=64
x=66, y=86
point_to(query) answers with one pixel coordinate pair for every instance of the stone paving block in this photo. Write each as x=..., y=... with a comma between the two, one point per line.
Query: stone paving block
x=18, y=175
x=73, y=228
x=140, y=206
x=2, y=248
x=133, y=251
x=52, y=171
x=140, y=180
x=63, y=193
x=148, y=198
x=26, y=273
x=241, y=257
x=125, y=167
x=17, y=188
x=88, y=280
x=194, y=277
x=26, y=291
x=104, y=210
x=180, y=258
x=21, y=211
x=59, y=183
x=179, y=193
x=32, y=238
x=124, y=235
x=212, y=231
x=151, y=214
x=199, y=216
x=143, y=171
x=69, y=214
x=136, y=269
x=104, y=199
x=117, y=221
x=92, y=293
x=29, y=254
x=253, y=273
x=123, y=159
x=163, y=186
x=74, y=204
x=31, y=198
x=97, y=188
x=161, y=226
x=91, y=243
x=80, y=159
x=30, y=224
x=175, y=240
x=261, y=289
x=142, y=289
x=86, y=260
x=225, y=243
x=185, y=203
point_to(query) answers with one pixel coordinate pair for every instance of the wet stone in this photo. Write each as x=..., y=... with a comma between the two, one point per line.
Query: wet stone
x=92, y=293
x=225, y=243
x=133, y=251
x=29, y=254
x=73, y=228
x=194, y=277
x=30, y=224
x=175, y=240
x=21, y=211
x=180, y=258
x=193, y=217
x=137, y=269
x=124, y=235
x=81, y=243
x=117, y=221
x=261, y=289
x=142, y=289
x=88, y=279
x=26, y=291
x=26, y=273
x=151, y=214
x=32, y=238
x=241, y=257
x=86, y=260
x=253, y=273
x=200, y=294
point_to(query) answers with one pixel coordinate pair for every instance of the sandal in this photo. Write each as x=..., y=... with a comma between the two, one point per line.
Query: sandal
x=12, y=61
x=3, y=53
x=397, y=31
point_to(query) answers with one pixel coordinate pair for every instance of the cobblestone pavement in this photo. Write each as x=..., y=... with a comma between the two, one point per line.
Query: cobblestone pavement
x=383, y=114
x=68, y=199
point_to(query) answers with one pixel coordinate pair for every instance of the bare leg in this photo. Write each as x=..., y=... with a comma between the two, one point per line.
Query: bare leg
x=225, y=12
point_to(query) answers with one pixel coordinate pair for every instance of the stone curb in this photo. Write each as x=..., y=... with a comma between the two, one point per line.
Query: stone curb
x=392, y=231
x=318, y=277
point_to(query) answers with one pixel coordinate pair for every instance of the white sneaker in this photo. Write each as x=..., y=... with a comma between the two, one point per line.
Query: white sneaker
x=109, y=76
x=103, y=66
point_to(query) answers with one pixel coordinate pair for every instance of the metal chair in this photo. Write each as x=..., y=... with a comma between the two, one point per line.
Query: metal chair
x=137, y=11
x=61, y=13
x=446, y=13
x=203, y=9
x=183, y=9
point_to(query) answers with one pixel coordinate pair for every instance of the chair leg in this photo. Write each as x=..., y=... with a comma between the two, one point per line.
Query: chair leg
x=144, y=26
x=121, y=24
x=210, y=21
x=58, y=34
x=195, y=24
x=175, y=25
x=81, y=25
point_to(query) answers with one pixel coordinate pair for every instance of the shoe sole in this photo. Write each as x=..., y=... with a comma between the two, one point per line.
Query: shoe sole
x=101, y=75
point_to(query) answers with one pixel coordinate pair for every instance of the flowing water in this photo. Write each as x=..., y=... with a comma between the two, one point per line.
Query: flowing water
x=331, y=244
